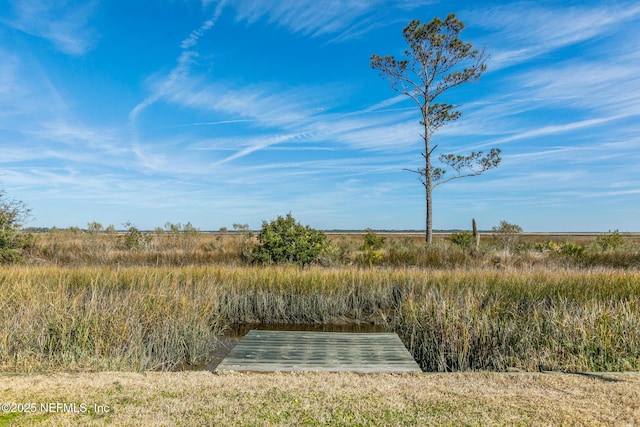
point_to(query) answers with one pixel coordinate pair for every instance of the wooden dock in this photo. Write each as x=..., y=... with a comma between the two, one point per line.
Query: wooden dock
x=319, y=351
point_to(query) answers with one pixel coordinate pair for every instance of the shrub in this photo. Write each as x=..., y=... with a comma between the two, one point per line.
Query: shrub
x=13, y=239
x=331, y=255
x=572, y=249
x=178, y=228
x=613, y=240
x=507, y=235
x=372, y=241
x=464, y=239
x=244, y=242
x=562, y=248
x=284, y=240
x=94, y=227
x=371, y=247
x=134, y=239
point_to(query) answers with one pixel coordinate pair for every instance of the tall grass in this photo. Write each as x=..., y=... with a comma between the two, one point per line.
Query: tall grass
x=114, y=250
x=291, y=295
x=169, y=249
x=96, y=319
x=144, y=318
x=538, y=321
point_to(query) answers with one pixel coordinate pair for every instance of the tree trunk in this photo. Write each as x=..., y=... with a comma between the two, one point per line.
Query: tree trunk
x=428, y=219
x=428, y=184
x=476, y=235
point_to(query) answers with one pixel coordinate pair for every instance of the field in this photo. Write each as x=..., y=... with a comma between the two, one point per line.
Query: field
x=82, y=306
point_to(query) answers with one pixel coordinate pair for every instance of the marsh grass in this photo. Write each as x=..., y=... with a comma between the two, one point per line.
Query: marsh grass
x=142, y=318
x=564, y=321
x=111, y=249
x=174, y=249
x=96, y=319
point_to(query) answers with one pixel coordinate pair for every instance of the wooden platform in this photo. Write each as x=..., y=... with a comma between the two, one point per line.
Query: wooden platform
x=319, y=351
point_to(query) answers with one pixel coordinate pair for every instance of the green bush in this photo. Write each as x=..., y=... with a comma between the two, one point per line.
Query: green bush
x=613, y=240
x=562, y=248
x=371, y=246
x=464, y=239
x=284, y=240
x=13, y=240
x=572, y=249
x=134, y=239
x=372, y=242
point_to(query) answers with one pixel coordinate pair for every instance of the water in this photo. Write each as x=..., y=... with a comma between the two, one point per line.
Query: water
x=236, y=332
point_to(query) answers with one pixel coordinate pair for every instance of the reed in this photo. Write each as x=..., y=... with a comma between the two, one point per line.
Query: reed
x=99, y=319
x=567, y=321
x=142, y=318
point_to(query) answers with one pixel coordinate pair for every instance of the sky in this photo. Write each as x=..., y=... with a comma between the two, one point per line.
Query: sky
x=217, y=113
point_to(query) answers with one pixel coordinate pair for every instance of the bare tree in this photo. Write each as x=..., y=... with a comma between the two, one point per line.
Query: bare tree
x=435, y=62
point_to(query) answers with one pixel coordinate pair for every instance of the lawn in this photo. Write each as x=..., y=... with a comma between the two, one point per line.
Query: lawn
x=318, y=399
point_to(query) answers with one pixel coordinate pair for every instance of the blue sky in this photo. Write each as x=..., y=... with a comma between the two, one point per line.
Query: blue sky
x=223, y=112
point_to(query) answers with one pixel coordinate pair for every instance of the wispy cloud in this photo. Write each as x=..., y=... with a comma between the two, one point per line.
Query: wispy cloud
x=182, y=87
x=19, y=94
x=528, y=30
x=384, y=105
x=260, y=144
x=8, y=74
x=281, y=116
x=306, y=17
x=338, y=18
x=195, y=35
x=64, y=25
x=37, y=126
x=595, y=91
x=599, y=84
x=212, y=130
x=286, y=114
x=557, y=129
x=164, y=86
x=589, y=154
x=396, y=131
x=36, y=121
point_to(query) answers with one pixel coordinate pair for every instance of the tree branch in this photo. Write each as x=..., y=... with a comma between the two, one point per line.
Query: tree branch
x=474, y=162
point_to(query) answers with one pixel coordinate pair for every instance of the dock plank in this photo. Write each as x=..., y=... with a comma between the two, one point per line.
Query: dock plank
x=319, y=351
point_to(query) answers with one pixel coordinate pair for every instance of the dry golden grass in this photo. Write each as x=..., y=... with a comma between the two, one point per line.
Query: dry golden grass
x=203, y=398
x=67, y=248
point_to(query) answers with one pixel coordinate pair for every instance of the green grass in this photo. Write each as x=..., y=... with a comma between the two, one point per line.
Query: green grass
x=7, y=418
